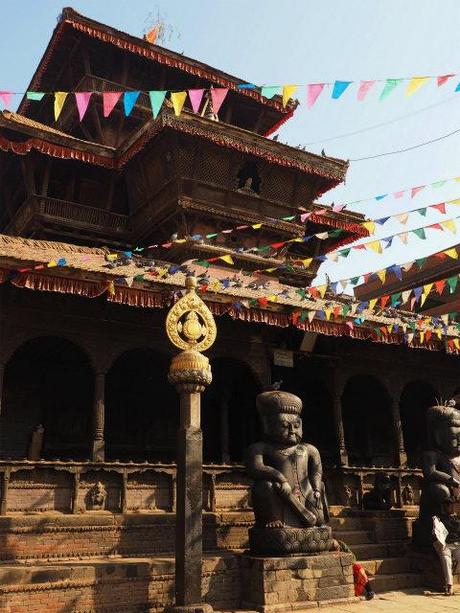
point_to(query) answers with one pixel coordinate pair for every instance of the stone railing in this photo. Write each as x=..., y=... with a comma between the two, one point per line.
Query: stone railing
x=69, y=487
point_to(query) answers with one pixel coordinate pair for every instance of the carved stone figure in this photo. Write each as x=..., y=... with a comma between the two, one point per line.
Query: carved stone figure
x=97, y=497
x=349, y=495
x=437, y=528
x=441, y=475
x=408, y=494
x=379, y=497
x=288, y=493
x=36, y=443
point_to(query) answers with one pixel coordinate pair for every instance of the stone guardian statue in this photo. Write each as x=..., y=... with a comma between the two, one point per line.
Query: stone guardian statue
x=288, y=494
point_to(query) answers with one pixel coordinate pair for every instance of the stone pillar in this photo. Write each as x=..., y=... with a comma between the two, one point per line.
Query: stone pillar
x=338, y=421
x=398, y=432
x=190, y=326
x=98, y=443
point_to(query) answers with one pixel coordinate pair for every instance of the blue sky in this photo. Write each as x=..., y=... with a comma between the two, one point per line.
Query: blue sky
x=302, y=41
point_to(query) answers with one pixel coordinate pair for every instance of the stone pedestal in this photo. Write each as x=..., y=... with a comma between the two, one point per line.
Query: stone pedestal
x=290, y=541
x=297, y=582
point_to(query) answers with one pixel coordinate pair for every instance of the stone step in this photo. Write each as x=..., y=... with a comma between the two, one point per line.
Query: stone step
x=398, y=581
x=387, y=566
x=378, y=551
x=354, y=537
x=346, y=523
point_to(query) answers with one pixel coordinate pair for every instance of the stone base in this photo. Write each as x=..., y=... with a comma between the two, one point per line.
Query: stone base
x=297, y=582
x=289, y=541
x=201, y=607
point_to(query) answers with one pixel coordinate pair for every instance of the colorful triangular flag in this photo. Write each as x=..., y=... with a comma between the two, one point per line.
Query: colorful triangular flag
x=59, y=99
x=414, y=84
x=129, y=101
x=82, y=99
x=109, y=100
x=156, y=101
x=339, y=88
x=218, y=95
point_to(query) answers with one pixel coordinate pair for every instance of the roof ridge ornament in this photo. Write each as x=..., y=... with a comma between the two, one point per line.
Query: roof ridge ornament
x=190, y=324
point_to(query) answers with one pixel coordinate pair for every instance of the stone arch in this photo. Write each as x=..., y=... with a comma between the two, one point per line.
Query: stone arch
x=368, y=422
x=417, y=396
x=141, y=408
x=48, y=380
x=229, y=420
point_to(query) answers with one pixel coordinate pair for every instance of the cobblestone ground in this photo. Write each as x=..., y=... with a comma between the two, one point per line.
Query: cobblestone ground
x=408, y=601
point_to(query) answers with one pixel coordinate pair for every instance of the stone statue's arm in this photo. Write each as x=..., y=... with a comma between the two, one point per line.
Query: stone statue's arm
x=315, y=468
x=257, y=468
x=431, y=472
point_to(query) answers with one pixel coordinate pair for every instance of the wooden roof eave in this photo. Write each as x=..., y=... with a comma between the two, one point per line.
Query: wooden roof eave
x=100, y=31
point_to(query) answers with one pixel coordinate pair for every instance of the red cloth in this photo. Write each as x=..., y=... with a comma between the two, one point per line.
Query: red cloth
x=360, y=579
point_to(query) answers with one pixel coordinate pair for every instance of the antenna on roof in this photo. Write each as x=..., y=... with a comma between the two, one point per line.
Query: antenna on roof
x=157, y=30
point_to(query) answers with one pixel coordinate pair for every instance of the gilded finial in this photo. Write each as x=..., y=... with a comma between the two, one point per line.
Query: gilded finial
x=189, y=323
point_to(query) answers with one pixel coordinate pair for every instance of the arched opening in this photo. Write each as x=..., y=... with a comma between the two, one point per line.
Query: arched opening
x=416, y=398
x=368, y=423
x=229, y=419
x=317, y=414
x=141, y=408
x=49, y=382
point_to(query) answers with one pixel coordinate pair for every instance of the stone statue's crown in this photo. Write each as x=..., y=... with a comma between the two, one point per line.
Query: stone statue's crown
x=275, y=402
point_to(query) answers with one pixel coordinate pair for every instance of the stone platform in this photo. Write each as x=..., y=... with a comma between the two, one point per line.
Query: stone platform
x=296, y=582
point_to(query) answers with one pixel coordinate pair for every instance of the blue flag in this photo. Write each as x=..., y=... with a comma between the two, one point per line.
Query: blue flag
x=339, y=88
x=129, y=100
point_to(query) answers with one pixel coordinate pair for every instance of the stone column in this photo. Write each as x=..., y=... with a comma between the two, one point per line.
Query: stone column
x=338, y=421
x=98, y=443
x=190, y=326
x=395, y=390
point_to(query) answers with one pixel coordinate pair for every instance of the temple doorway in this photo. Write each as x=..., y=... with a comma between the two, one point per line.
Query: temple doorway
x=49, y=382
x=229, y=418
x=416, y=398
x=141, y=408
x=368, y=423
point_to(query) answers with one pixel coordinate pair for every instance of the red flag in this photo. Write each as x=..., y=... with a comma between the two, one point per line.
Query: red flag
x=441, y=207
x=152, y=35
x=416, y=190
x=384, y=300
x=263, y=301
x=441, y=80
x=439, y=285
x=109, y=100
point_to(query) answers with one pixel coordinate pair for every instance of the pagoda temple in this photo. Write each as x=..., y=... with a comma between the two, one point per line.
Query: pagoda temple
x=101, y=219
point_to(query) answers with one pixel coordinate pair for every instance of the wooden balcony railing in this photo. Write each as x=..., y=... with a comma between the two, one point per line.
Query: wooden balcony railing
x=42, y=208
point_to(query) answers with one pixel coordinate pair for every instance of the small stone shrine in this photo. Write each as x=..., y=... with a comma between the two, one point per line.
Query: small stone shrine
x=291, y=513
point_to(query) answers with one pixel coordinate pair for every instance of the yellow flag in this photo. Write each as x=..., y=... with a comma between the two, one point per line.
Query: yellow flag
x=288, y=90
x=381, y=274
x=427, y=288
x=450, y=225
x=322, y=290
x=414, y=84
x=370, y=226
x=307, y=261
x=456, y=343
x=452, y=253
x=59, y=99
x=52, y=264
x=375, y=246
x=227, y=258
x=328, y=313
x=438, y=332
x=256, y=226
x=111, y=288
x=457, y=200
x=272, y=298
x=372, y=303
x=179, y=240
x=457, y=179
x=422, y=336
x=178, y=100
x=111, y=257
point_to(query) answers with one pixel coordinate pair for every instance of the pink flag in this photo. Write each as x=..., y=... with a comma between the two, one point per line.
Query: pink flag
x=195, y=96
x=6, y=98
x=218, y=95
x=364, y=88
x=82, y=99
x=338, y=207
x=399, y=194
x=441, y=207
x=313, y=91
x=416, y=190
x=109, y=100
x=441, y=80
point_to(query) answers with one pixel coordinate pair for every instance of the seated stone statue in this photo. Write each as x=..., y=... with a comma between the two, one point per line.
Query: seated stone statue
x=379, y=497
x=288, y=494
x=441, y=474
